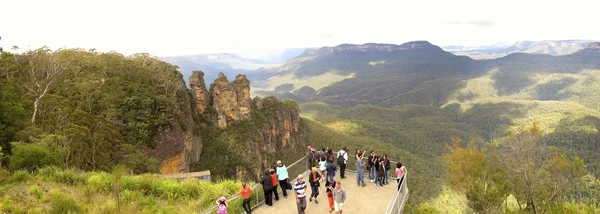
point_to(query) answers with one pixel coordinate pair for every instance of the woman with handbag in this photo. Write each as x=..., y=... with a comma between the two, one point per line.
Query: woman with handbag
x=315, y=176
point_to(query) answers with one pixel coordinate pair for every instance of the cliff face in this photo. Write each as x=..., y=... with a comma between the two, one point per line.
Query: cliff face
x=177, y=145
x=264, y=130
x=201, y=95
x=370, y=47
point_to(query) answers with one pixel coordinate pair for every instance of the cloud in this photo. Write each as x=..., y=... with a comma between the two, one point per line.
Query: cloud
x=481, y=23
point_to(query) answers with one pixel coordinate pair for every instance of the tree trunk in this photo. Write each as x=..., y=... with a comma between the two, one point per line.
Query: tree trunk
x=37, y=102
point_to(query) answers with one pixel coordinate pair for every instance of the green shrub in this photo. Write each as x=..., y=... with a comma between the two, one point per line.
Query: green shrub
x=8, y=205
x=19, y=176
x=101, y=182
x=31, y=157
x=62, y=204
x=36, y=191
x=67, y=176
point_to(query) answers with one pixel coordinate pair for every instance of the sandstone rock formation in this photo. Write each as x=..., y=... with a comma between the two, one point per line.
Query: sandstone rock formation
x=201, y=95
x=177, y=146
x=231, y=101
x=276, y=133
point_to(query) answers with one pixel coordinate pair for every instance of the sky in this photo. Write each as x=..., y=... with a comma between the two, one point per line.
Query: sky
x=252, y=28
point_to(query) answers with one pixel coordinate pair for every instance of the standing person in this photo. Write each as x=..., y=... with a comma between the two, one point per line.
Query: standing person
x=221, y=205
x=330, y=185
x=267, y=188
x=323, y=167
x=380, y=172
x=314, y=184
x=342, y=160
x=400, y=171
x=360, y=172
x=310, y=156
x=322, y=153
x=387, y=167
x=331, y=168
x=339, y=194
x=371, y=166
x=245, y=192
x=376, y=168
x=282, y=176
x=300, y=193
x=274, y=181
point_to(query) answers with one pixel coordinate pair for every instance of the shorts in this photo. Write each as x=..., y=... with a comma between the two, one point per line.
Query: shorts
x=337, y=206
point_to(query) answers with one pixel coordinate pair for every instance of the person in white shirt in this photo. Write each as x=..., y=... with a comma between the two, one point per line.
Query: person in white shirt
x=342, y=161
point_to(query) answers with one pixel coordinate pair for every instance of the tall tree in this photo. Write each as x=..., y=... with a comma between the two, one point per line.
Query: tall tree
x=539, y=174
x=476, y=174
x=42, y=70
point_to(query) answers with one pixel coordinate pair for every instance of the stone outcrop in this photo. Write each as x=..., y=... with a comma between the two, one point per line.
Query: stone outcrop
x=231, y=101
x=201, y=95
x=241, y=84
x=275, y=133
x=177, y=145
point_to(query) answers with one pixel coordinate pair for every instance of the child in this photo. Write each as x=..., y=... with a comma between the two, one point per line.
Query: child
x=322, y=168
x=222, y=205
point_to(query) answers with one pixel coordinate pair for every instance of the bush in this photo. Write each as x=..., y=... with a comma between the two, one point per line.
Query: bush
x=19, y=176
x=31, y=157
x=61, y=204
x=36, y=191
x=53, y=173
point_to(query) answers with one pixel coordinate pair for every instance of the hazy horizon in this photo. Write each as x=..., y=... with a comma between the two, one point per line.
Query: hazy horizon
x=253, y=29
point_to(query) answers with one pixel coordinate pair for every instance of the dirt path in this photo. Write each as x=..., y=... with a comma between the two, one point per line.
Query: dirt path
x=369, y=199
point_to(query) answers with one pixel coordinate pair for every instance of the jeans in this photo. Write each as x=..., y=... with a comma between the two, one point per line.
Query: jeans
x=315, y=191
x=301, y=205
x=360, y=177
x=282, y=184
x=372, y=173
x=246, y=205
x=275, y=193
x=399, y=180
x=385, y=178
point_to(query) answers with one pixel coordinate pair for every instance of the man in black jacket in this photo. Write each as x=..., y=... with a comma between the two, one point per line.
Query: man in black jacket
x=268, y=188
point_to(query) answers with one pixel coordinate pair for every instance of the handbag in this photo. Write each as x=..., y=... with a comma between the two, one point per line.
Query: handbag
x=288, y=186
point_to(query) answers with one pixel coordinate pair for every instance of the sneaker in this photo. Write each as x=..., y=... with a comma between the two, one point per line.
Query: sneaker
x=310, y=199
x=330, y=210
x=316, y=202
x=364, y=185
x=381, y=186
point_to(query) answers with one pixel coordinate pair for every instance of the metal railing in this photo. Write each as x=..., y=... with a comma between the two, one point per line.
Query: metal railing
x=396, y=205
x=257, y=198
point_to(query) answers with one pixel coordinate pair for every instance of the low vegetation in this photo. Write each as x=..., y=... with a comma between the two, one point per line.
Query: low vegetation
x=55, y=190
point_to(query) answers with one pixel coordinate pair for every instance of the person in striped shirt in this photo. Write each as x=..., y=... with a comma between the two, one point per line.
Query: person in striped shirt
x=300, y=193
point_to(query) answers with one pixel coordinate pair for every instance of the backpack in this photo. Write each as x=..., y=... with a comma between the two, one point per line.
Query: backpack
x=340, y=159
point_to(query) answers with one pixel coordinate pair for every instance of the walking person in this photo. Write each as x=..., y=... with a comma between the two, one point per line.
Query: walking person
x=339, y=194
x=387, y=167
x=371, y=166
x=222, y=205
x=400, y=171
x=360, y=172
x=330, y=186
x=342, y=160
x=314, y=179
x=245, y=192
x=300, y=194
x=274, y=181
x=267, y=188
x=331, y=168
x=282, y=176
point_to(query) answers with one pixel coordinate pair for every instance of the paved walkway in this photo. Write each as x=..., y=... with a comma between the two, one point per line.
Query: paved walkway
x=369, y=199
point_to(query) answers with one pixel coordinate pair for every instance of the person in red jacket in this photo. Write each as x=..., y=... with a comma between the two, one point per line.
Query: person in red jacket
x=245, y=192
x=275, y=182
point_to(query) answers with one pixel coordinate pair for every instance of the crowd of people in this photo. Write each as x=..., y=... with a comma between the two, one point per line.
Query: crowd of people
x=322, y=168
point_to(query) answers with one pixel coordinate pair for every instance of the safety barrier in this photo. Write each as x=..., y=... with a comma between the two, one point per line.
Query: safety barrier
x=396, y=205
